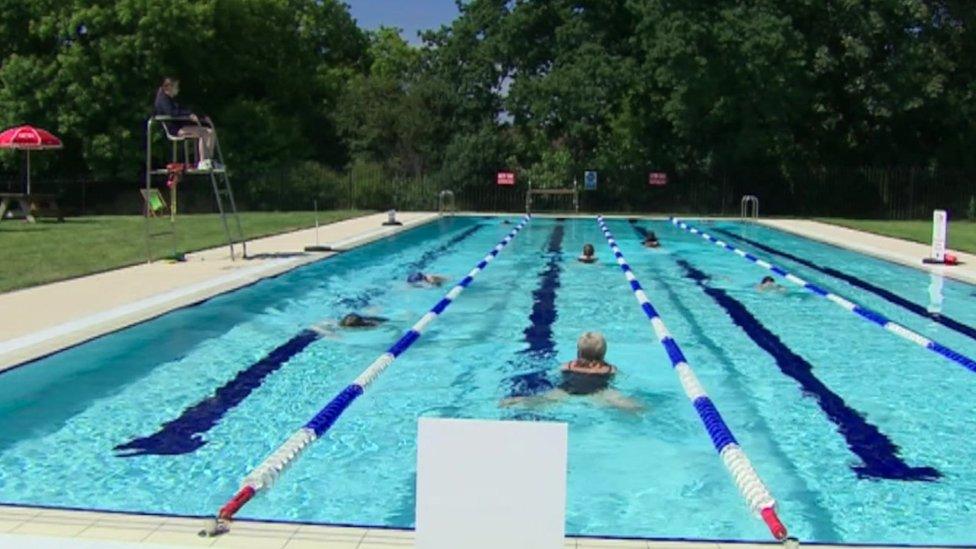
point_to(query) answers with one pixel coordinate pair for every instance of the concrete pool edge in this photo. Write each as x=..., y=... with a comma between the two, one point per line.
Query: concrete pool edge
x=26, y=341
x=208, y=274
x=28, y=522
x=895, y=250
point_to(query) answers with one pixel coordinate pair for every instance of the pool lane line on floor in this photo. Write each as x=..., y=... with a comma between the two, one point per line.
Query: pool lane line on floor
x=541, y=347
x=184, y=434
x=746, y=479
x=878, y=454
x=821, y=521
x=861, y=311
x=887, y=295
x=264, y=475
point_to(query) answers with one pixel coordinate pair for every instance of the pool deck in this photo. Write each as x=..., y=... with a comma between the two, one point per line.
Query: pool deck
x=34, y=526
x=41, y=320
x=885, y=247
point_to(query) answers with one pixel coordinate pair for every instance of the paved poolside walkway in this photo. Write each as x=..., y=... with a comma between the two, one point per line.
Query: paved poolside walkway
x=39, y=320
x=46, y=528
x=885, y=247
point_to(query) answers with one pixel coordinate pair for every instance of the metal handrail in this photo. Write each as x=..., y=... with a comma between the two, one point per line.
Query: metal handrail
x=746, y=201
x=441, y=207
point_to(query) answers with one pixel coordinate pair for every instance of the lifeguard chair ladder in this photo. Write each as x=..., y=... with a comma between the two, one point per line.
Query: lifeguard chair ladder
x=218, y=180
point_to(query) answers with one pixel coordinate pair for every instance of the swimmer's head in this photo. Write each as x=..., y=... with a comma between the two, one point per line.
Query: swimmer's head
x=351, y=319
x=416, y=278
x=591, y=346
x=768, y=280
x=588, y=250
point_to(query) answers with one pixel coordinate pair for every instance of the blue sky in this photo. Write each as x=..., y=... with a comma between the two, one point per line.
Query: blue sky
x=409, y=15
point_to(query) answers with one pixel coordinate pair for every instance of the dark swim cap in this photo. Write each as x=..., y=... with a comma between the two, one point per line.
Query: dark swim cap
x=415, y=278
x=351, y=320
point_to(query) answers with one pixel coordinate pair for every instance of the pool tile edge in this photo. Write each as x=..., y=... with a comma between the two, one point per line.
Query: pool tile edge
x=148, y=529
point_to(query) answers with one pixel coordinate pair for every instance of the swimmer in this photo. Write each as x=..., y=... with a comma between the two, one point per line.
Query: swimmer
x=422, y=279
x=588, y=375
x=767, y=284
x=589, y=254
x=329, y=328
x=353, y=320
x=651, y=241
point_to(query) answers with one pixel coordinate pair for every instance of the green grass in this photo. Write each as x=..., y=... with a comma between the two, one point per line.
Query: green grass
x=47, y=251
x=962, y=234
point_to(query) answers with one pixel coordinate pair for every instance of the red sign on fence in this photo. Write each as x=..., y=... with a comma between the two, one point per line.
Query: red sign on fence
x=505, y=178
x=657, y=179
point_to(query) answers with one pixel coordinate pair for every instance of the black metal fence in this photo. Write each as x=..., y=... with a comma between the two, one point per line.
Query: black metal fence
x=865, y=192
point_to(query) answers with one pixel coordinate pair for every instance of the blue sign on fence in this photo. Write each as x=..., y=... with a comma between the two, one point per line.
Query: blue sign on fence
x=589, y=181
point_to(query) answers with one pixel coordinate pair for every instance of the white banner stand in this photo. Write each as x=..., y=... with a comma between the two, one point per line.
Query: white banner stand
x=490, y=484
x=939, y=221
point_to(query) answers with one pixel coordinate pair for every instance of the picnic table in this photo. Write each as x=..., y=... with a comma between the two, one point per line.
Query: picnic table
x=29, y=204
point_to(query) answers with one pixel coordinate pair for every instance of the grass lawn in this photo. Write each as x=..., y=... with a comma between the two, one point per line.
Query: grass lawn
x=46, y=251
x=962, y=234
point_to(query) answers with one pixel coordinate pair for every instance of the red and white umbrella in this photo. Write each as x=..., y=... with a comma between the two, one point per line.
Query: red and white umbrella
x=28, y=138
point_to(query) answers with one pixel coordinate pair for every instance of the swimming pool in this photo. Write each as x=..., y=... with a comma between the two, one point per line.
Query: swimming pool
x=861, y=436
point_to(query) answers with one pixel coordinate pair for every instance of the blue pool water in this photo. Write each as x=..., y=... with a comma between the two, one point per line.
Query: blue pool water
x=861, y=436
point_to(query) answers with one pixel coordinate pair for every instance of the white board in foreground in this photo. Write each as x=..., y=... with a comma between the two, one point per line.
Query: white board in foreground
x=489, y=484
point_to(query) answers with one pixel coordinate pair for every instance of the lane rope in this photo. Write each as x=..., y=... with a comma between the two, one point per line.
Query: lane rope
x=752, y=488
x=883, y=293
x=859, y=310
x=264, y=475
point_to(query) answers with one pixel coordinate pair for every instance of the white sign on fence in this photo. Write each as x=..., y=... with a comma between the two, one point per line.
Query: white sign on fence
x=490, y=484
x=589, y=180
x=939, y=221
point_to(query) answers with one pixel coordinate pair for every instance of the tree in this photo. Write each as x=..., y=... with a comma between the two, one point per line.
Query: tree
x=382, y=114
x=268, y=71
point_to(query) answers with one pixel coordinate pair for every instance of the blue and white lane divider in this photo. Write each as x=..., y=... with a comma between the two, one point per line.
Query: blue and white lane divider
x=264, y=475
x=751, y=487
x=859, y=310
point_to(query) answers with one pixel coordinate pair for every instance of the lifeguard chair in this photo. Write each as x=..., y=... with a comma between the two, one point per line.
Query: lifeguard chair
x=183, y=163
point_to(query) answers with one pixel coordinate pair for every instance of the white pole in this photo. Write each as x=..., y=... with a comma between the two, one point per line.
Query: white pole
x=28, y=172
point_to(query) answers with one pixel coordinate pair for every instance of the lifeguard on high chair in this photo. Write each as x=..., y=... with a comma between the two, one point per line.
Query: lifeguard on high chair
x=199, y=154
